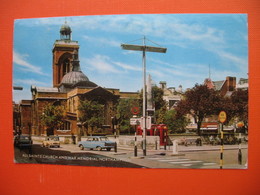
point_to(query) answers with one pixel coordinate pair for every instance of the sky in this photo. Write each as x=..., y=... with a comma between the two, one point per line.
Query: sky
x=198, y=46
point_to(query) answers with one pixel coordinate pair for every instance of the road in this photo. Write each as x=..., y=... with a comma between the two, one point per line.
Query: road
x=63, y=156
x=191, y=157
x=201, y=158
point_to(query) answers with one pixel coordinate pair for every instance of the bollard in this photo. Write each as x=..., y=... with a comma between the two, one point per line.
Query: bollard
x=144, y=147
x=156, y=147
x=246, y=164
x=165, y=141
x=175, y=147
x=221, y=147
x=135, y=147
x=115, y=148
x=239, y=151
x=239, y=157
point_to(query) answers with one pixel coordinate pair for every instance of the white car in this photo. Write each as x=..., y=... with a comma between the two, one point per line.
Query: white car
x=51, y=141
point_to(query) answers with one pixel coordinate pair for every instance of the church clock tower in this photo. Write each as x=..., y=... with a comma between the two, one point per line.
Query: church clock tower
x=63, y=50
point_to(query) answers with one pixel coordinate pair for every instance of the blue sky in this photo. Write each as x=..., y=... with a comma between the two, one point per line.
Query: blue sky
x=194, y=43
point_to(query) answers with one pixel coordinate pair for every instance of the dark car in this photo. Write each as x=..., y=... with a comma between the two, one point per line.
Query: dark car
x=23, y=141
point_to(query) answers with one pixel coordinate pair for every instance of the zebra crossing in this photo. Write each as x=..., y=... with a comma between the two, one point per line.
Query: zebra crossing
x=185, y=162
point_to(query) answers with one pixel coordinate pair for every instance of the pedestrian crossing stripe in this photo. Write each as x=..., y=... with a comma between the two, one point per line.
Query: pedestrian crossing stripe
x=187, y=165
x=157, y=158
x=209, y=163
x=172, y=160
x=184, y=162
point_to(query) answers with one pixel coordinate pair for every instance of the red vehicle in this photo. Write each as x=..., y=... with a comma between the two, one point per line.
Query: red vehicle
x=160, y=130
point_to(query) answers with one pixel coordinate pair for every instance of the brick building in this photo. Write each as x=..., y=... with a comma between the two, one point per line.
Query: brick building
x=225, y=87
x=70, y=86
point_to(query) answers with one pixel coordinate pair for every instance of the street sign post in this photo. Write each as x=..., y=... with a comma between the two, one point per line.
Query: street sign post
x=222, y=117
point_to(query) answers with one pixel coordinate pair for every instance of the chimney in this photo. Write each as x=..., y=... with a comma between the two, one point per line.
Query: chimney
x=231, y=83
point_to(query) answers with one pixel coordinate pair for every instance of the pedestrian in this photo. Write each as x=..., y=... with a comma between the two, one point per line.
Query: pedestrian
x=198, y=142
x=211, y=140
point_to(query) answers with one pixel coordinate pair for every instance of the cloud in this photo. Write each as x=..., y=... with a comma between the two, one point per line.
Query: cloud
x=239, y=61
x=30, y=82
x=128, y=67
x=101, y=64
x=103, y=41
x=21, y=61
x=197, y=32
x=104, y=64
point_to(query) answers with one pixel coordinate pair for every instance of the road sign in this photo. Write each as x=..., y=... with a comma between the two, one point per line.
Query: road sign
x=148, y=122
x=222, y=117
x=135, y=121
x=135, y=110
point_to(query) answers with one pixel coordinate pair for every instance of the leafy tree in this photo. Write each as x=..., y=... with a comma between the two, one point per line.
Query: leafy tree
x=52, y=117
x=200, y=101
x=239, y=100
x=175, y=123
x=91, y=113
x=161, y=114
x=235, y=106
x=124, y=114
x=158, y=98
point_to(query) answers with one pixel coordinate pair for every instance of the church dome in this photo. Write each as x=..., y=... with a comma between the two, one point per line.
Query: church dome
x=76, y=78
x=65, y=32
x=65, y=29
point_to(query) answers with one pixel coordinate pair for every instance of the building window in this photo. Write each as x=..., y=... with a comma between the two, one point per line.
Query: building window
x=65, y=126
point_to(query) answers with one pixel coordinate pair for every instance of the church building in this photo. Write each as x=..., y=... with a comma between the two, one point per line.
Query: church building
x=70, y=86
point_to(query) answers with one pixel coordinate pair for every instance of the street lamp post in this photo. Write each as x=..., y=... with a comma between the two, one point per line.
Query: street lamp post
x=144, y=48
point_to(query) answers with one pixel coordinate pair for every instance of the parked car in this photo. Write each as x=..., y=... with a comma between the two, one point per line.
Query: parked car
x=51, y=141
x=23, y=141
x=97, y=142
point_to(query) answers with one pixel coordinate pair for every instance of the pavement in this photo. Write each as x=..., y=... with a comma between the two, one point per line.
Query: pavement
x=189, y=157
x=192, y=148
x=184, y=158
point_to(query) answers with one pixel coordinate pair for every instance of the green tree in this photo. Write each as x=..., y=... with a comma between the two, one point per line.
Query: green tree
x=239, y=100
x=200, y=101
x=235, y=106
x=91, y=114
x=161, y=115
x=124, y=114
x=52, y=117
x=158, y=98
x=175, y=123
